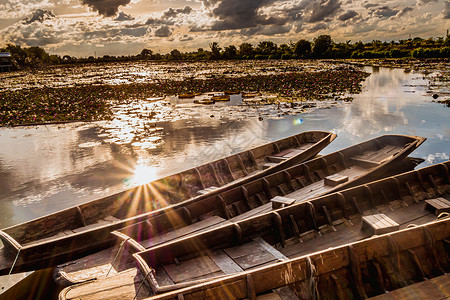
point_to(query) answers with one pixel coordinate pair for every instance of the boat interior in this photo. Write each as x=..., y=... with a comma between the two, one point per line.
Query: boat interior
x=387, y=205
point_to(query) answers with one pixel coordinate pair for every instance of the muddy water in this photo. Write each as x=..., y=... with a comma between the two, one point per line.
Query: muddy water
x=48, y=168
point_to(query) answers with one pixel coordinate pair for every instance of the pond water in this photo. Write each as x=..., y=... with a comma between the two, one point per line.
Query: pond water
x=44, y=169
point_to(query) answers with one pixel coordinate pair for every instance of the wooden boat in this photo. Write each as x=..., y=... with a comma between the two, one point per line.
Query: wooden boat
x=409, y=264
x=83, y=229
x=295, y=184
x=204, y=101
x=260, y=242
x=221, y=98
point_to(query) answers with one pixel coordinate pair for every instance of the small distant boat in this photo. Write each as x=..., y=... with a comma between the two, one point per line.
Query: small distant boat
x=221, y=98
x=351, y=166
x=86, y=228
x=204, y=101
x=250, y=94
x=231, y=92
x=188, y=96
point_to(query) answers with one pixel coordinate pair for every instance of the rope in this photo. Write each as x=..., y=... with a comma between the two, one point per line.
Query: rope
x=117, y=255
x=139, y=288
x=12, y=267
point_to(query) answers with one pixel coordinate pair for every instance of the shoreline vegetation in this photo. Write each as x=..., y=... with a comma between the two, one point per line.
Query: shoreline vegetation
x=94, y=102
x=322, y=47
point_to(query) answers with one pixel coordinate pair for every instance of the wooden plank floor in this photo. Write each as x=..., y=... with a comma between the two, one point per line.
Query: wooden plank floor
x=123, y=286
x=436, y=288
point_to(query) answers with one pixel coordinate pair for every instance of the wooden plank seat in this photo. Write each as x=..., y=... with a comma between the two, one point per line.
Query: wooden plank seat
x=335, y=179
x=268, y=165
x=207, y=190
x=278, y=202
x=184, y=231
x=437, y=205
x=365, y=163
x=378, y=224
x=276, y=159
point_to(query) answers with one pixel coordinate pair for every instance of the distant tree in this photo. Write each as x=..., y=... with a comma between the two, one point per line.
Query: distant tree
x=266, y=48
x=302, y=49
x=146, y=52
x=215, y=50
x=322, y=45
x=285, y=51
x=230, y=52
x=175, y=54
x=246, y=50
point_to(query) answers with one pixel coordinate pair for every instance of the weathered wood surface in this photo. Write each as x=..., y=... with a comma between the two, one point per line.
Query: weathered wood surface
x=86, y=228
x=436, y=288
x=253, y=198
x=315, y=225
x=391, y=196
x=400, y=262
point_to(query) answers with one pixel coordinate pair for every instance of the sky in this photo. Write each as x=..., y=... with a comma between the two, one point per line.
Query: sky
x=84, y=28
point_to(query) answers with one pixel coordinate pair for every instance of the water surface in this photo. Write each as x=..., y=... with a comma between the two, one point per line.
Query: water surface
x=48, y=168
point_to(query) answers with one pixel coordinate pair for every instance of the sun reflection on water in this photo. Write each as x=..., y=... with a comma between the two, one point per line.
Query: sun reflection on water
x=142, y=174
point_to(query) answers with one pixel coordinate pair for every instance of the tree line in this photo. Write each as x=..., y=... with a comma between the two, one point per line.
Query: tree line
x=321, y=47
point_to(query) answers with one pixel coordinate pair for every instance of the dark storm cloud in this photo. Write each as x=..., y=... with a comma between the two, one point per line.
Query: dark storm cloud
x=317, y=27
x=107, y=8
x=348, y=15
x=238, y=14
x=447, y=10
x=39, y=15
x=404, y=11
x=123, y=17
x=163, y=31
x=385, y=12
x=265, y=30
x=171, y=13
x=320, y=10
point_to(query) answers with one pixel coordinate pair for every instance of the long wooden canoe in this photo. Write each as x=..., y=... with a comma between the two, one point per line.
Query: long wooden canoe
x=358, y=164
x=383, y=206
x=409, y=264
x=57, y=235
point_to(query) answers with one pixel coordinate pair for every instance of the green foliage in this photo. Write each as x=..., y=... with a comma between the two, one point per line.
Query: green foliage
x=302, y=49
x=322, y=46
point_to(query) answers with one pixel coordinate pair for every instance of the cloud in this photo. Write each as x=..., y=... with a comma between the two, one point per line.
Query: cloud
x=107, y=8
x=171, y=13
x=186, y=38
x=348, y=15
x=317, y=27
x=322, y=9
x=163, y=31
x=123, y=17
x=425, y=2
x=385, y=12
x=238, y=14
x=404, y=11
x=39, y=16
x=446, y=11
